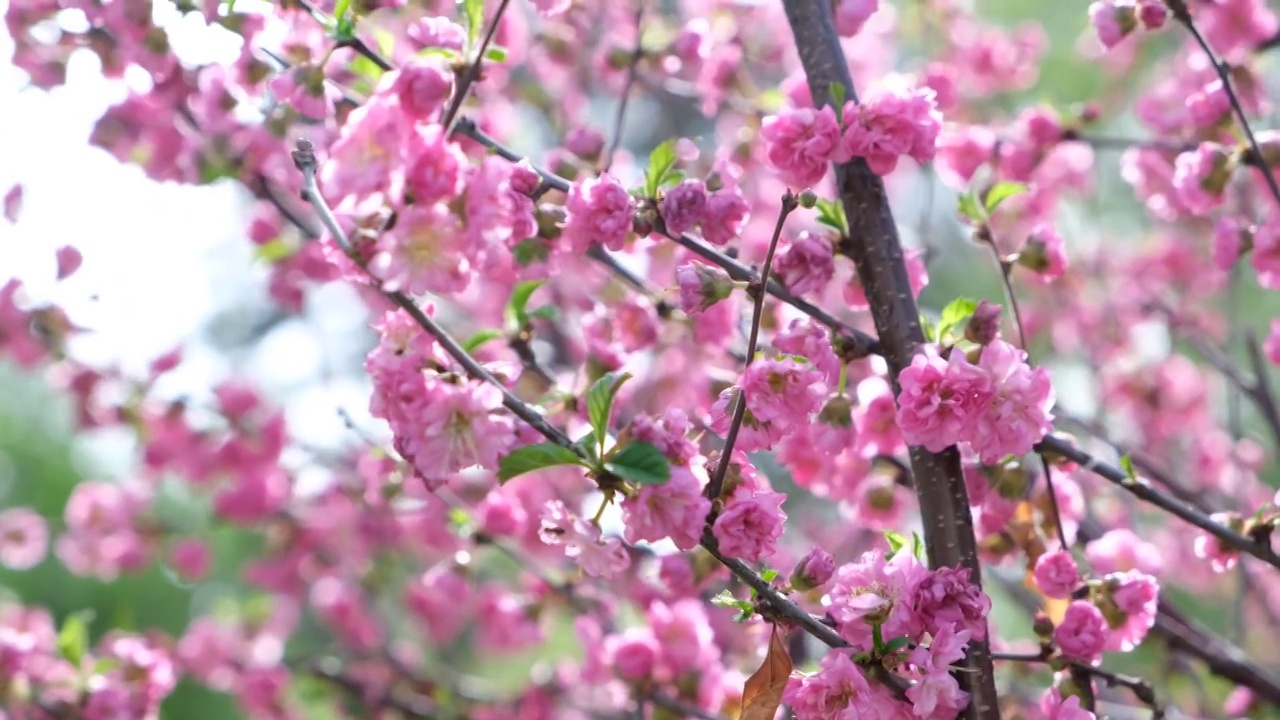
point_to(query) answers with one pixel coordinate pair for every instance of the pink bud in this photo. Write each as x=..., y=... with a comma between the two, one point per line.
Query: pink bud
x=69, y=260
x=984, y=324
x=813, y=570
x=13, y=203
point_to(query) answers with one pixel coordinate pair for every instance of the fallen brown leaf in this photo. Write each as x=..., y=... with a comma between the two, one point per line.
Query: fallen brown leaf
x=762, y=693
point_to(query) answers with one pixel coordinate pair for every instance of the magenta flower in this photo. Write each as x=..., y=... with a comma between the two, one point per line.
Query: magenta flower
x=802, y=143
x=813, y=570
x=940, y=399
x=784, y=390
x=727, y=212
x=892, y=123
x=24, y=538
x=1113, y=20
x=1016, y=414
x=423, y=86
x=1056, y=574
x=851, y=15
x=675, y=509
x=750, y=524
x=1082, y=634
x=1200, y=176
x=601, y=212
x=684, y=206
x=702, y=286
x=1136, y=597
x=805, y=263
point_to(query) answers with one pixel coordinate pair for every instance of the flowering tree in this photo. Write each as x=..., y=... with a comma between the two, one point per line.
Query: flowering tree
x=612, y=386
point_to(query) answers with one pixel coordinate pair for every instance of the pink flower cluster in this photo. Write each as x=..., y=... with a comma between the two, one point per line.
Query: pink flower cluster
x=890, y=123
x=998, y=407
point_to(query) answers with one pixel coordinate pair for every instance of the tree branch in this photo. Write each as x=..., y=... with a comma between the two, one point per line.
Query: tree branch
x=876, y=251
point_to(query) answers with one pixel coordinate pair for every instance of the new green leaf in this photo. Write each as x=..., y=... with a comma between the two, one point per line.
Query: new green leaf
x=661, y=160
x=957, y=312
x=473, y=13
x=640, y=463
x=1000, y=192
x=969, y=207
x=515, y=315
x=474, y=342
x=73, y=638
x=535, y=457
x=838, y=95
x=600, y=403
x=897, y=541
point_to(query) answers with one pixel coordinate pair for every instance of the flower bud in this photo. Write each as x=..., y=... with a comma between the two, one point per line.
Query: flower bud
x=984, y=324
x=702, y=286
x=1152, y=14
x=1042, y=626
x=808, y=198
x=813, y=570
x=1113, y=20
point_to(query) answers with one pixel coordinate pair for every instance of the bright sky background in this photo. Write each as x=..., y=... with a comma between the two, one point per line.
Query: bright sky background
x=159, y=259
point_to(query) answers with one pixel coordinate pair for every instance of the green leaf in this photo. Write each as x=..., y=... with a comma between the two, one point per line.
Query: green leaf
x=917, y=546
x=546, y=312
x=473, y=12
x=1000, y=192
x=474, y=342
x=341, y=8
x=275, y=251
x=838, y=95
x=929, y=329
x=535, y=457
x=446, y=53
x=588, y=444
x=831, y=214
x=1126, y=463
x=897, y=541
x=515, y=315
x=673, y=178
x=531, y=250
x=73, y=638
x=661, y=160
x=895, y=644
x=957, y=312
x=496, y=53
x=640, y=463
x=968, y=207
x=600, y=403
x=768, y=574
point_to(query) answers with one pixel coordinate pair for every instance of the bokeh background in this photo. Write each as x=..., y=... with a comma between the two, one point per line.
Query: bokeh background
x=168, y=266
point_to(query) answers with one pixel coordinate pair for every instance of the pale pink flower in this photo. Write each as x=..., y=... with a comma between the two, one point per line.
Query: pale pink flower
x=69, y=260
x=1221, y=556
x=1113, y=20
x=829, y=693
x=750, y=524
x=13, y=203
x=1045, y=253
x=874, y=591
x=851, y=15
x=366, y=157
x=684, y=206
x=1055, y=708
x=674, y=509
x=669, y=433
x=1082, y=634
x=805, y=263
x=685, y=637
x=961, y=151
x=810, y=340
x=438, y=32
x=425, y=252
x=802, y=143
x=1121, y=550
x=1266, y=252
x=441, y=600
x=1137, y=597
x=601, y=212
x=940, y=400
x=783, y=390
x=1056, y=574
x=587, y=143
x=937, y=696
x=24, y=538
x=1200, y=176
x=702, y=286
x=459, y=426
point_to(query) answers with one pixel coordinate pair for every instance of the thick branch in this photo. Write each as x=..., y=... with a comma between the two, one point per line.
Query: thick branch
x=877, y=253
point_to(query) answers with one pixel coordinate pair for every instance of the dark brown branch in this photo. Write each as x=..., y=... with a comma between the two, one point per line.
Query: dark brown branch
x=472, y=73
x=877, y=253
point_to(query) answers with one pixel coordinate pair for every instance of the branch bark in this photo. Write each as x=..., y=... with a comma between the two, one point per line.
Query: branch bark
x=876, y=251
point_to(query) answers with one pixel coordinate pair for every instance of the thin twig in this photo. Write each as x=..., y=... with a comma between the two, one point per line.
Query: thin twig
x=1183, y=15
x=1140, y=688
x=633, y=69
x=472, y=73
x=789, y=203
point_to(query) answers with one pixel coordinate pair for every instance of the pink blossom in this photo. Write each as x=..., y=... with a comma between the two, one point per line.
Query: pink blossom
x=1271, y=346
x=1113, y=20
x=425, y=252
x=810, y=340
x=632, y=654
x=754, y=433
x=366, y=157
x=438, y=32
x=190, y=558
x=1056, y=574
x=684, y=206
x=1121, y=550
x=1136, y=598
x=1221, y=557
x=674, y=509
x=875, y=591
x=508, y=624
x=596, y=555
x=851, y=15
x=1055, y=707
x=961, y=151
x=937, y=696
x=1200, y=176
x=1152, y=13
x=702, y=286
x=940, y=400
x=441, y=601
x=669, y=433
x=305, y=90
x=13, y=203
x=727, y=212
x=1045, y=253
x=813, y=570
x=586, y=143
x=829, y=693
x=750, y=524
x=1207, y=106
x=802, y=142
x=423, y=86
x=783, y=390
x=24, y=538
x=1266, y=252
x=805, y=263
x=891, y=123
x=684, y=636
x=1082, y=634
x=1016, y=416
x=456, y=427
x=69, y=260
x=947, y=597
x=1228, y=242
x=601, y=212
